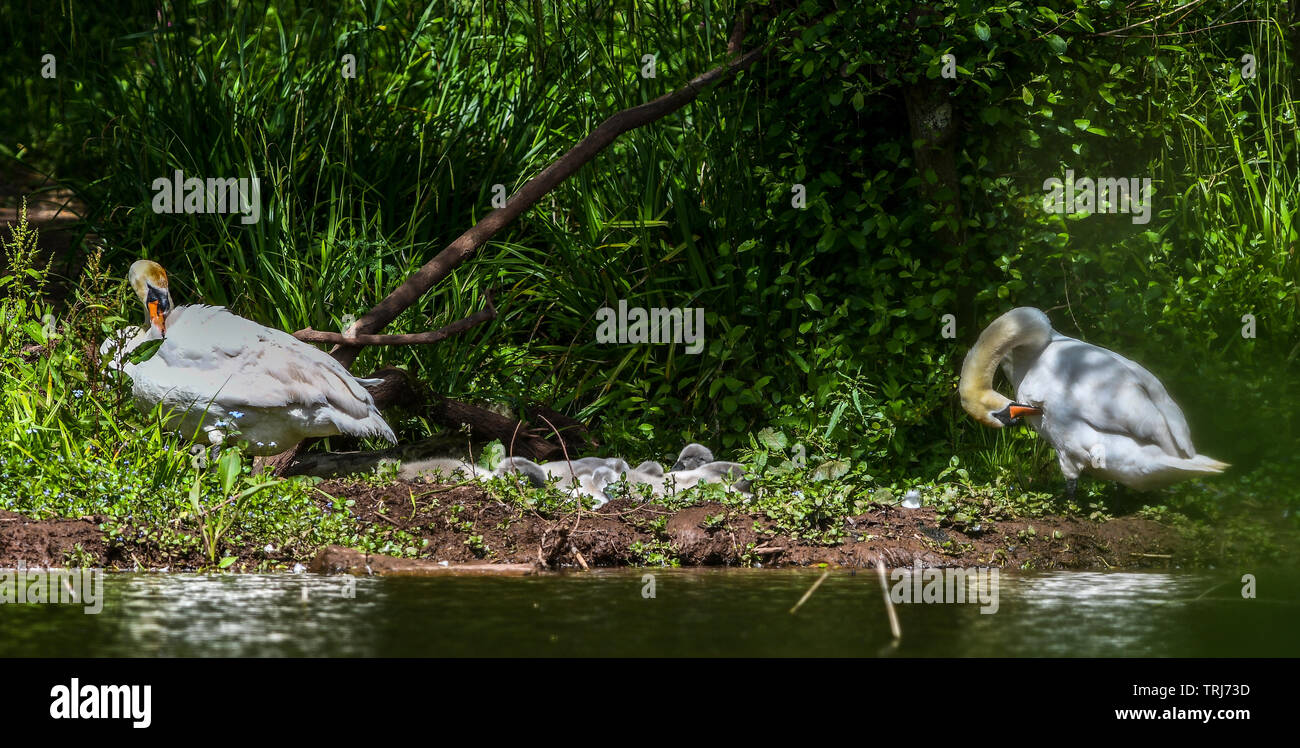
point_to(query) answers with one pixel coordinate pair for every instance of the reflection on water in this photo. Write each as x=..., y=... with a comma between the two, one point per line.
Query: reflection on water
x=710, y=612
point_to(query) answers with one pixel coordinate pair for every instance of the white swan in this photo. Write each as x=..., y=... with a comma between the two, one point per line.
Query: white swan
x=1102, y=412
x=217, y=373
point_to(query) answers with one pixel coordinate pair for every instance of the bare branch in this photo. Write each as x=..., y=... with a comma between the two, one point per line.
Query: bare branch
x=310, y=335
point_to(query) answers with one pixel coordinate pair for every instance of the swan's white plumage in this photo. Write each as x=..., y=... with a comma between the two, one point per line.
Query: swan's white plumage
x=1101, y=412
x=217, y=372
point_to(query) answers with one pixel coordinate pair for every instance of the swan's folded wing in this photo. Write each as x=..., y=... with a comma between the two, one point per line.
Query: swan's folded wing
x=1174, y=422
x=215, y=352
x=1116, y=395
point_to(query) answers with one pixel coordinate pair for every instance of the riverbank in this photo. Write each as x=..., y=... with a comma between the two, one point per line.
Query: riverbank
x=447, y=526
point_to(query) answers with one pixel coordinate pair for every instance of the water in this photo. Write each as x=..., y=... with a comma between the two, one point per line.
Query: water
x=694, y=612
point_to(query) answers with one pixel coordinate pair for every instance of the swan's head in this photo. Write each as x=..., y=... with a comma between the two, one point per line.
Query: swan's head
x=994, y=409
x=150, y=283
x=1023, y=330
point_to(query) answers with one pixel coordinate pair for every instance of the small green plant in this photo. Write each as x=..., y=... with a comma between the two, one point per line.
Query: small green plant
x=78, y=557
x=477, y=545
x=216, y=519
x=657, y=552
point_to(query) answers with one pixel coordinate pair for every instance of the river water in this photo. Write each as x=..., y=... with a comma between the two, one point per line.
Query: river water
x=737, y=612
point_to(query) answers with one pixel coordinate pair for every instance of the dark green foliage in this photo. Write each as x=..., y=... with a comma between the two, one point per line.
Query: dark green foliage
x=824, y=322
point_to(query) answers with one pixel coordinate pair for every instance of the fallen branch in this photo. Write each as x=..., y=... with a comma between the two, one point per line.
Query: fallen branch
x=486, y=426
x=309, y=335
x=397, y=386
x=348, y=344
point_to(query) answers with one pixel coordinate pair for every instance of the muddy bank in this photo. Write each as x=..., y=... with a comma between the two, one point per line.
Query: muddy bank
x=52, y=542
x=624, y=533
x=459, y=525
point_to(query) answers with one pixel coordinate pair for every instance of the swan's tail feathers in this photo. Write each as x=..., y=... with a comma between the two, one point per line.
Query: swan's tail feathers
x=1200, y=465
x=364, y=382
x=372, y=425
x=382, y=429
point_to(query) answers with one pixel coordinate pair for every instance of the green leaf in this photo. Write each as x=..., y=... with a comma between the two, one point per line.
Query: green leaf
x=772, y=439
x=254, y=489
x=36, y=332
x=144, y=351
x=194, y=495
x=835, y=418
x=228, y=469
x=831, y=470
x=982, y=31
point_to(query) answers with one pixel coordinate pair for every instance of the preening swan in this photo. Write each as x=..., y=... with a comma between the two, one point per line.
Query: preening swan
x=216, y=373
x=1100, y=411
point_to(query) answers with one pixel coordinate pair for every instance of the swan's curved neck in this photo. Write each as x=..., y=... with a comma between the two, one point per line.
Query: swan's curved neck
x=1023, y=327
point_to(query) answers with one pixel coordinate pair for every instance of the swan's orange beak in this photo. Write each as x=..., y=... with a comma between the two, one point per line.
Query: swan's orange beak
x=157, y=318
x=158, y=303
x=1016, y=411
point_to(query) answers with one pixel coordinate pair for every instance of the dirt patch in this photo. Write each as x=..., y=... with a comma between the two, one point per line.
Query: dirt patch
x=52, y=542
x=467, y=525
x=462, y=525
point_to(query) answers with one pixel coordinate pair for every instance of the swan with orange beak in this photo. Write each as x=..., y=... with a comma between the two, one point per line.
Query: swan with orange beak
x=150, y=283
x=216, y=375
x=1101, y=412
